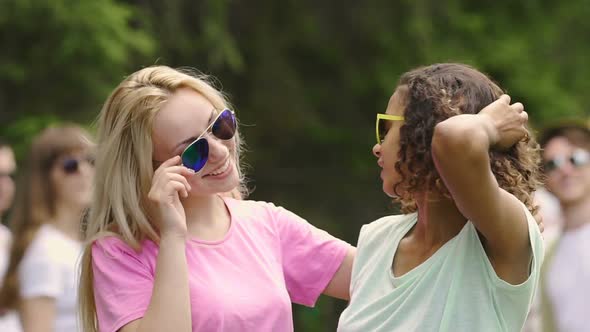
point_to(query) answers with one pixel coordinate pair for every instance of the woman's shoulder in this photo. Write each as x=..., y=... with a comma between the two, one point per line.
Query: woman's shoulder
x=114, y=246
x=388, y=223
x=50, y=246
x=49, y=239
x=247, y=204
x=252, y=209
x=385, y=226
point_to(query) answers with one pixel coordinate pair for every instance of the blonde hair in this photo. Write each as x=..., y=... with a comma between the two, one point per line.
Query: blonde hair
x=36, y=199
x=124, y=169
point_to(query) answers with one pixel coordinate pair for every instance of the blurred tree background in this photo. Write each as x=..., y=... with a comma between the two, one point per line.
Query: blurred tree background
x=306, y=78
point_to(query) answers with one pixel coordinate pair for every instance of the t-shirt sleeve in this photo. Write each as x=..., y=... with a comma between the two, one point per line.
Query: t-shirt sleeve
x=537, y=249
x=361, y=252
x=310, y=256
x=40, y=273
x=122, y=284
x=521, y=295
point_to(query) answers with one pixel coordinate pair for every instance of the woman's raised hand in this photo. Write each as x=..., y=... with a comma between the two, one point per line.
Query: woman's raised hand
x=169, y=185
x=509, y=122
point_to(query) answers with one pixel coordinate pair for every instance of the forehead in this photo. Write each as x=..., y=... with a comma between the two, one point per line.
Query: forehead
x=7, y=162
x=184, y=115
x=395, y=105
x=77, y=152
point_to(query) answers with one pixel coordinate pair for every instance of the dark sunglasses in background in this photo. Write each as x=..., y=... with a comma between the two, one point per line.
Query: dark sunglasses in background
x=578, y=158
x=72, y=165
x=196, y=154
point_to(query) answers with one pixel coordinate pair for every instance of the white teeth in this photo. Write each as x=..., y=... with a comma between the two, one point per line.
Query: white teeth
x=221, y=169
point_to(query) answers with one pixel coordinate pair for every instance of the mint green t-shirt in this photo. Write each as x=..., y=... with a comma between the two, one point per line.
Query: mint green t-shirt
x=456, y=289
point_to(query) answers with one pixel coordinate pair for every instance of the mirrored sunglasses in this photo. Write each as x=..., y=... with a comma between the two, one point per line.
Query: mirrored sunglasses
x=196, y=154
x=578, y=158
x=72, y=165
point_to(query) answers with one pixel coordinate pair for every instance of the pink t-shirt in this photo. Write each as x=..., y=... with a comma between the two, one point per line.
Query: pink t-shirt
x=269, y=258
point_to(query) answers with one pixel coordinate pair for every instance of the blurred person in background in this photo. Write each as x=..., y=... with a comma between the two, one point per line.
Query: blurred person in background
x=8, y=319
x=565, y=282
x=55, y=191
x=7, y=186
x=550, y=212
x=466, y=254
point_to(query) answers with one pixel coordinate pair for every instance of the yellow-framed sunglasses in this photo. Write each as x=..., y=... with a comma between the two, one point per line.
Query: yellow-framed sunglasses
x=380, y=130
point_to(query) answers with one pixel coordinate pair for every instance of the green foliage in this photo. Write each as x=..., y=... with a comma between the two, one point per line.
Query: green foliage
x=62, y=57
x=307, y=78
x=21, y=131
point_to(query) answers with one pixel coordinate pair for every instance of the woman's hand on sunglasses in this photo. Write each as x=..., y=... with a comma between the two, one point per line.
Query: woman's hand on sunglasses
x=169, y=184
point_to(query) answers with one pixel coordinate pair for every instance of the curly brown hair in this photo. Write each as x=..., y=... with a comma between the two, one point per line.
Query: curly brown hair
x=433, y=94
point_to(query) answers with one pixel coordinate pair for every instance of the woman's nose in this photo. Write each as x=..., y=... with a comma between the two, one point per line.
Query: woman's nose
x=217, y=148
x=86, y=168
x=567, y=168
x=377, y=150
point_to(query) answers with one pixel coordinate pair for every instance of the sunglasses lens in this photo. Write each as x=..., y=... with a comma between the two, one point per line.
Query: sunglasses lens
x=550, y=165
x=580, y=158
x=70, y=166
x=225, y=125
x=195, y=156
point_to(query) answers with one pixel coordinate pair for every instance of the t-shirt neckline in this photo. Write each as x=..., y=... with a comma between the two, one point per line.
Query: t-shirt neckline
x=48, y=227
x=227, y=235
x=398, y=280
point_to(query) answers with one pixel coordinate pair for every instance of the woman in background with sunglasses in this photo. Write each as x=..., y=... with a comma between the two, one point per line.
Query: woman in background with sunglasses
x=565, y=289
x=466, y=253
x=168, y=249
x=55, y=191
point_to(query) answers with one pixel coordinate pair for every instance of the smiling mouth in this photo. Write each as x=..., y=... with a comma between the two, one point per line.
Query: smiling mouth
x=220, y=170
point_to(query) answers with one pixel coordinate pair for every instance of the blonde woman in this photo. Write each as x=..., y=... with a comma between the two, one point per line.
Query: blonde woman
x=169, y=249
x=40, y=281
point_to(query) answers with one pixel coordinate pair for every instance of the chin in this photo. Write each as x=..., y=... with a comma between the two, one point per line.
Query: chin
x=84, y=203
x=229, y=184
x=571, y=199
x=388, y=190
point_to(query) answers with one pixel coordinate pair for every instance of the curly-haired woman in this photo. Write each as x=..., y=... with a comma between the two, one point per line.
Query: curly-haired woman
x=466, y=253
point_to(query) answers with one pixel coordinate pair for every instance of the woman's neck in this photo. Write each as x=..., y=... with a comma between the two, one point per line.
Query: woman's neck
x=206, y=216
x=576, y=215
x=439, y=220
x=67, y=220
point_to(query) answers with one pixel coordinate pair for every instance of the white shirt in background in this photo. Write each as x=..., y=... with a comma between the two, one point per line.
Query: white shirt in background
x=568, y=281
x=553, y=222
x=49, y=268
x=5, y=240
x=8, y=322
